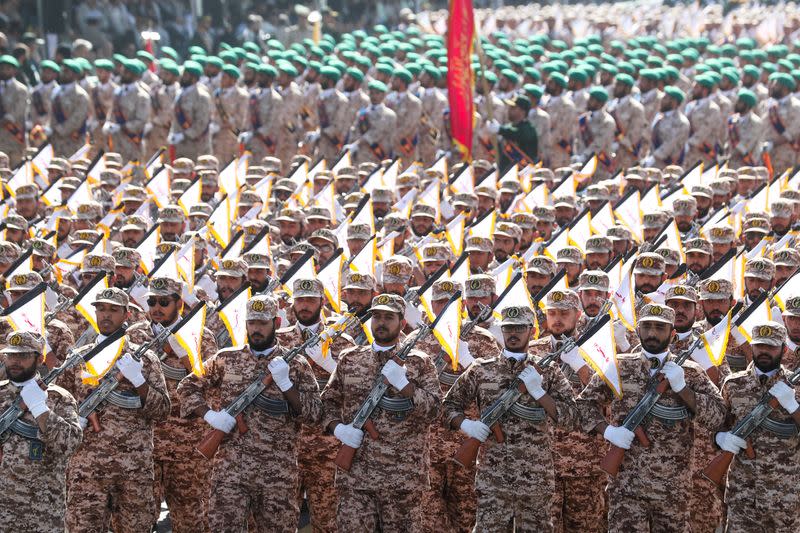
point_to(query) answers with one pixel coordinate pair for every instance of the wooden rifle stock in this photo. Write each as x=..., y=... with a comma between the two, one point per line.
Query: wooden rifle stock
x=612, y=460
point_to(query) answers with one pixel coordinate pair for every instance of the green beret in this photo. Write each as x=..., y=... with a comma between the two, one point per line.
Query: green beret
x=748, y=97
x=704, y=80
x=532, y=73
x=385, y=68
x=52, y=65
x=607, y=67
x=377, y=86
x=533, y=90
x=577, y=74
x=287, y=68
x=363, y=61
x=490, y=76
x=267, y=70
x=403, y=74
x=511, y=75
x=625, y=79
x=9, y=60
x=228, y=56
x=316, y=66
x=197, y=50
x=193, y=67
x=413, y=68
x=769, y=67
x=145, y=56
x=170, y=66
x=201, y=59
x=674, y=93
x=560, y=79
x=231, y=71
x=751, y=70
x=355, y=74
x=784, y=79
x=599, y=94
x=626, y=67
x=170, y=52
x=71, y=64
x=432, y=71
x=785, y=63
x=215, y=61
x=731, y=74
x=330, y=72
x=795, y=74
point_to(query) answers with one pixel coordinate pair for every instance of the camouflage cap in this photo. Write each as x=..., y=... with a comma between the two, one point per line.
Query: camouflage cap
x=781, y=208
x=358, y=232
x=325, y=235
x=684, y=206
x=397, y=269
x=681, y=292
x=508, y=229
x=23, y=282
x=562, y=299
x=479, y=286
x=716, y=289
x=759, y=268
x=486, y=191
x=721, y=234
x=59, y=163
x=407, y=180
x=357, y=280
x=207, y=161
x=200, y=210
x=382, y=195
x=655, y=220
x=423, y=210
x=27, y=192
x=719, y=187
x=444, y=289
x=84, y=237
x=389, y=302
x=171, y=213
x=323, y=176
x=93, y=263
x=111, y=177
x=126, y=257
x=134, y=223
x=792, y=306
x=657, y=313
x=89, y=211
x=179, y=185
x=69, y=183
x=256, y=260
x=307, y=288
x=164, y=286
x=524, y=220
x=671, y=257
x=133, y=193
x=596, y=193
x=165, y=247
x=542, y=174
x=702, y=191
x=234, y=268
x=285, y=185
x=318, y=213
x=544, y=213
x=42, y=248
x=787, y=257
x=479, y=244
x=209, y=177
x=699, y=245
x=564, y=201
x=466, y=199
x=249, y=199
x=9, y=252
x=790, y=194
x=541, y=264
x=182, y=165
x=649, y=264
x=113, y=296
x=352, y=200
x=24, y=342
x=769, y=333
x=511, y=186
x=14, y=221
x=436, y=251
x=394, y=222
x=516, y=316
x=756, y=225
x=271, y=164
x=598, y=245
x=594, y=280
x=570, y=254
x=619, y=233
x=261, y=307
x=291, y=214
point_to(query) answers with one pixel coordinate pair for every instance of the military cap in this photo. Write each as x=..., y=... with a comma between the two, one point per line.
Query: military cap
x=235, y=268
x=113, y=296
x=26, y=192
x=598, y=244
x=541, y=264
x=674, y=93
x=542, y=175
x=634, y=176
x=307, y=288
x=165, y=286
x=318, y=213
x=383, y=195
x=444, y=289
x=596, y=193
x=291, y=214
x=24, y=342
x=284, y=185
x=759, y=268
x=671, y=257
x=89, y=211
x=478, y=244
x=508, y=229
x=784, y=79
x=510, y=186
x=423, y=210
x=134, y=222
x=394, y=222
x=171, y=213
x=684, y=206
x=358, y=280
x=397, y=269
x=256, y=260
x=42, y=248
x=619, y=233
x=111, y=177
x=769, y=333
x=570, y=254
x=182, y=165
x=436, y=251
x=69, y=183
x=165, y=247
x=787, y=257
x=791, y=194
x=721, y=234
x=389, y=302
x=781, y=208
x=133, y=193
x=698, y=245
x=599, y=94
x=52, y=65
x=261, y=307
x=747, y=97
x=95, y=262
x=479, y=286
x=200, y=210
x=209, y=176
x=517, y=316
x=85, y=236
x=716, y=289
x=377, y=85
x=544, y=213
x=650, y=264
x=655, y=220
x=562, y=299
x=595, y=280
x=656, y=313
x=167, y=66
x=681, y=292
x=249, y=199
x=24, y=282
x=719, y=187
x=756, y=225
x=126, y=257
x=466, y=199
x=325, y=235
x=792, y=306
x=407, y=179
x=358, y=232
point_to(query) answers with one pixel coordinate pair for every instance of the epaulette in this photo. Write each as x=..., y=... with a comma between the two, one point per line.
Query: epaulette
x=64, y=393
x=287, y=329
x=734, y=376
x=484, y=360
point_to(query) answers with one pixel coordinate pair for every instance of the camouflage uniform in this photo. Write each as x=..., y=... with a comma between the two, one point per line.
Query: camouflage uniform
x=40, y=103
x=266, y=119
x=162, y=102
x=651, y=101
x=14, y=100
x=102, y=100
x=230, y=114
x=746, y=135
x=631, y=127
x=375, y=128
x=670, y=133
x=783, y=131
x=563, y=128
x=408, y=109
x=255, y=472
x=334, y=121
x=596, y=131
x=290, y=129
x=69, y=112
x=130, y=110
x=434, y=104
x=192, y=114
x=704, y=141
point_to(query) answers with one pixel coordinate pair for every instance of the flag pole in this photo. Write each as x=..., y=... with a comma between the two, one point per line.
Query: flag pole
x=485, y=86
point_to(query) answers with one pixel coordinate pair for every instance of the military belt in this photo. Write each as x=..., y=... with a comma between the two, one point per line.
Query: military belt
x=171, y=372
x=125, y=400
x=271, y=406
x=535, y=415
x=445, y=377
x=669, y=415
x=779, y=429
x=24, y=429
x=396, y=406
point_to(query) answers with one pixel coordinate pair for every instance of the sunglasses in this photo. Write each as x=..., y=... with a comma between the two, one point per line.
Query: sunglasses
x=163, y=301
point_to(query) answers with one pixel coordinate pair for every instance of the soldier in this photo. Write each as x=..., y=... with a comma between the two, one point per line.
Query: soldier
x=111, y=474
x=372, y=134
x=265, y=113
x=521, y=468
x=41, y=95
x=274, y=420
x=517, y=138
x=596, y=130
x=783, y=113
x=563, y=121
x=704, y=117
x=14, y=100
x=651, y=95
x=394, y=499
x=37, y=449
x=102, y=100
x=189, y=130
x=670, y=131
x=593, y=290
x=772, y=472
x=639, y=501
x=630, y=124
x=290, y=128
x=745, y=131
x=229, y=115
x=408, y=110
x=334, y=120
x=181, y=474
x=357, y=98
x=129, y=113
x=69, y=110
x=491, y=111
x=434, y=104
x=162, y=102
x=539, y=119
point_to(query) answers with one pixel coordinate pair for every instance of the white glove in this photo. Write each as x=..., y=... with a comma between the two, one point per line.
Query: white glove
x=83, y=422
x=781, y=391
x=280, y=373
x=475, y=429
x=493, y=126
x=730, y=442
x=91, y=123
x=245, y=137
x=352, y=147
x=395, y=374
x=533, y=382
x=312, y=137
x=48, y=131
x=573, y=359
x=619, y=436
x=175, y=138
x=131, y=370
x=220, y=420
x=113, y=127
x=348, y=435
x=314, y=352
x=147, y=129
x=768, y=146
x=35, y=398
x=465, y=357
x=213, y=128
x=649, y=161
x=621, y=337
x=674, y=374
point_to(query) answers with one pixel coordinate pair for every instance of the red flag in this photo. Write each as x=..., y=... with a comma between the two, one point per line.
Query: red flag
x=460, y=33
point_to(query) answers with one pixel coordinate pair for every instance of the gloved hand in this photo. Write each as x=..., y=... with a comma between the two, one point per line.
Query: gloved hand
x=147, y=129
x=314, y=352
x=245, y=137
x=48, y=131
x=475, y=429
x=131, y=369
x=675, y=375
x=107, y=128
x=395, y=374
x=35, y=398
x=768, y=146
x=175, y=138
x=573, y=359
x=620, y=336
x=784, y=394
x=312, y=137
x=649, y=161
x=465, y=357
x=114, y=127
x=730, y=442
x=348, y=435
x=533, y=382
x=213, y=128
x=83, y=422
x=493, y=126
x=619, y=436
x=280, y=373
x=220, y=420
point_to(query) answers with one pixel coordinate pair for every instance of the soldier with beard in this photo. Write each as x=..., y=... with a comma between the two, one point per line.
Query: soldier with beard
x=479, y=291
x=230, y=277
x=781, y=217
x=598, y=252
x=507, y=237
x=481, y=253
x=126, y=267
x=357, y=292
x=173, y=223
x=754, y=230
x=397, y=272
x=698, y=254
x=291, y=222
x=791, y=321
x=258, y=271
x=189, y=134
x=787, y=261
x=685, y=209
x=593, y=291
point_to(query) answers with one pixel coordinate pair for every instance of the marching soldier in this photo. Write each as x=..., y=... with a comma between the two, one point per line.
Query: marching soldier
x=596, y=130
x=265, y=112
x=357, y=98
x=539, y=119
x=162, y=102
x=745, y=131
x=434, y=104
x=704, y=117
x=373, y=132
x=229, y=115
x=14, y=101
x=408, y=110
x=563, y=121
x=490, y=111
x=189, y=133
x=129, y=113
x=40, y=443
x=269, y=447
x=651, y=95
x=518, y=141
x=783, y=114
x=630, y=121
x=290, y=129
x=102, y=99
x=41, y=95
x=670, y=131
x=332, y=115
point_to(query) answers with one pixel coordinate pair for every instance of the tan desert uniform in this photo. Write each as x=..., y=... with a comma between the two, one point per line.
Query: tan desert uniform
x=41, y=97
x=704, y=141
x=162, y=103
x=563, y=129
x=431, y=126
x=334, y=118
x=408, y=109
x=290, y=130
x=192, y=115
x=783, y=131
x=266, y=120
x=375, y=128
x=631, y=131
x=14, y=100
x=745, y=136
x=69, y=113
x=102, y=100
x=130, y=110
x=230, y=114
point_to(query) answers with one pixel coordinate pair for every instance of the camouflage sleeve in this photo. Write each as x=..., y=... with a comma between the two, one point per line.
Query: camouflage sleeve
x=193, y=390
x=710, y=406
x=462, y=394
x=333, y=394
x=135, y=122
x=60, y=339
x=208, y=344
x=591, y=403
x=201, y=114
x=306, y=385
x=427, y=396
x=157, y=403
x=725, y=392
x=561, y=391
x=62, y=433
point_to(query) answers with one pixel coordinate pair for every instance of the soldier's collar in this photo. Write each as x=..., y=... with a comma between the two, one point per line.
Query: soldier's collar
x=791, y=344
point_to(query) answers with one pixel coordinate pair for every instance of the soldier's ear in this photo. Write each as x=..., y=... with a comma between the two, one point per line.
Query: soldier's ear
x=276, y=323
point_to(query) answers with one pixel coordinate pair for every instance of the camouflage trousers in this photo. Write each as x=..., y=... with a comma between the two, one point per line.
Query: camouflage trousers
x=450, y=503
x=34, y=505
x=317, y=475
x=156, y=139
x=753, y=519
x=579, y=504
x=96, y=497
x=236, y=507
x=509, y=511
x=706, y=506
x=640, y=512
x=361, y=510
x=185, y=487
